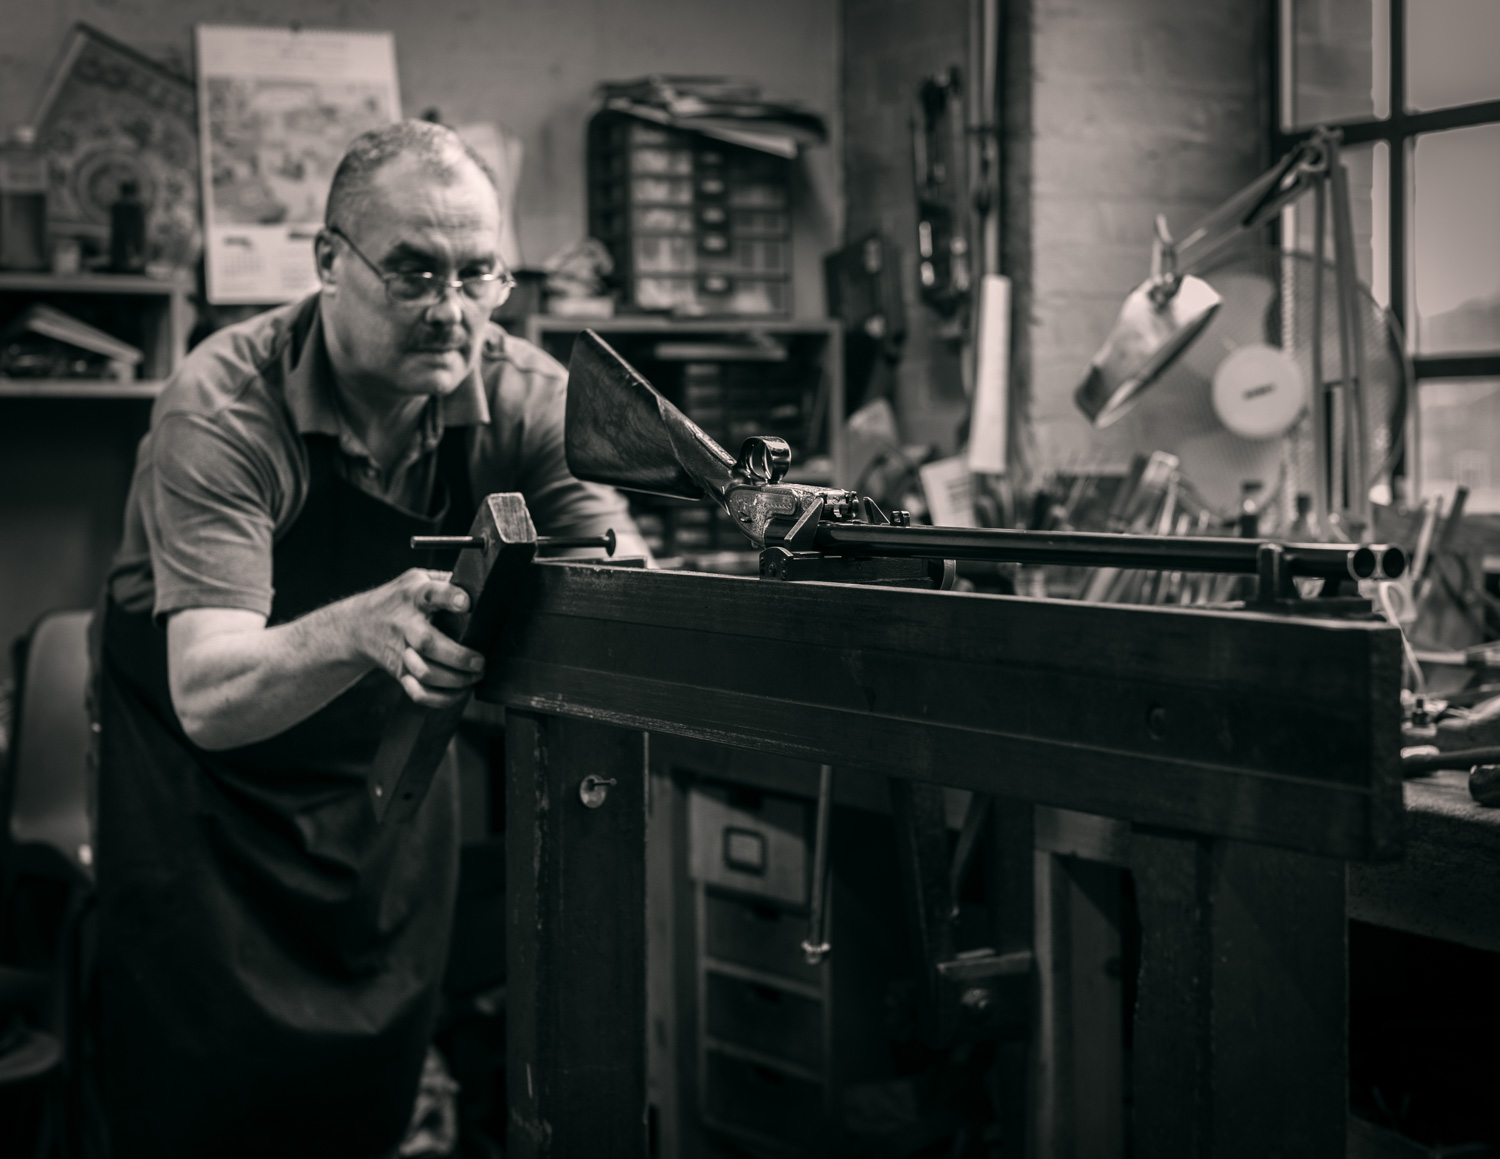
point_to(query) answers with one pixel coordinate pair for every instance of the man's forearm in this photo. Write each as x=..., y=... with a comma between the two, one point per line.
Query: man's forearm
x=244, y=684
x=234, y=681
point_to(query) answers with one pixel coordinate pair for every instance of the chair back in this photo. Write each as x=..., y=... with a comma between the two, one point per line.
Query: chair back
x=49, y=831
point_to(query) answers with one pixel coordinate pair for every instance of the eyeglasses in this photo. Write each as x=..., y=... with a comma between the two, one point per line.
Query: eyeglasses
x=423, y=288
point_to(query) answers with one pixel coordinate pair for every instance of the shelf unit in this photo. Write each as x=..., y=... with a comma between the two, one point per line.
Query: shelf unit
x=150, y=313
x=75, y=388
x=754, y=1047
x=67, y=446
x=734, y=377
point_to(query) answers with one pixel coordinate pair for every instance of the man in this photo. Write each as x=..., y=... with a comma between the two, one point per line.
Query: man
x=270, y=956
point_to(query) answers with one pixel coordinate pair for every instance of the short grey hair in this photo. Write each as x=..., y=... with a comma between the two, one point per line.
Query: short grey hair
x=442, y=152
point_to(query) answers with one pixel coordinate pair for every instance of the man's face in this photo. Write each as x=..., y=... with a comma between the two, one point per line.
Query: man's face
x=414, y=222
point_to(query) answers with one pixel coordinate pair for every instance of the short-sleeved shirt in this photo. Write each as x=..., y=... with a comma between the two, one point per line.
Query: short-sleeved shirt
x=223, y=471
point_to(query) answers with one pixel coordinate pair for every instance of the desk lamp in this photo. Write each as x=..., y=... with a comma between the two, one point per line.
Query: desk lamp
x=1165, y=313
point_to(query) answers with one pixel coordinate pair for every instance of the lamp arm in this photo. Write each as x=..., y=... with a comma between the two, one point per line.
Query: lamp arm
x=1351, y=348
x=1256, y=203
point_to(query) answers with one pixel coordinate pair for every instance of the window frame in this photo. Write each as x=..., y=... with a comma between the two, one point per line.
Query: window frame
x=1399, y=129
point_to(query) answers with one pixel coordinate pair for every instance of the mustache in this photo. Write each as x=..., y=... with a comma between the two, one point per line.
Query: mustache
x=440, y=342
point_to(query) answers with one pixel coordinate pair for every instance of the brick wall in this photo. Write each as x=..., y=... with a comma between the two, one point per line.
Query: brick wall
x=1146, y=107
x=1115, y=111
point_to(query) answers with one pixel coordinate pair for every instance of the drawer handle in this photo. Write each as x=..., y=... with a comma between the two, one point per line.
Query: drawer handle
x=745, y=850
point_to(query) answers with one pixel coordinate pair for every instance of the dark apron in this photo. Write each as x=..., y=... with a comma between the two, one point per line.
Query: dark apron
x=269, y=956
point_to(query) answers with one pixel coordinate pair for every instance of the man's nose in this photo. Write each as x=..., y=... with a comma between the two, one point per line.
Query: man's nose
x=448, y=309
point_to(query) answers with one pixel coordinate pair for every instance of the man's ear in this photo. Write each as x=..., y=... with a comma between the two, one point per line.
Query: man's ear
x=323, y=256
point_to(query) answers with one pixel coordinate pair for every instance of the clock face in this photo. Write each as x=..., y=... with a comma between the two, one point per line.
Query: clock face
x=1258, y=392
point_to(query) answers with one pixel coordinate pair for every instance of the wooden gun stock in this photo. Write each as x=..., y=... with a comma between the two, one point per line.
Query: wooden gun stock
x=416, y=738
x=622, y=432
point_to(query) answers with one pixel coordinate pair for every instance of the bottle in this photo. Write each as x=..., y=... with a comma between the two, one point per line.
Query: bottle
x=127, y=230
x=1249, y=517
x=23, y=203
x=1304, y=528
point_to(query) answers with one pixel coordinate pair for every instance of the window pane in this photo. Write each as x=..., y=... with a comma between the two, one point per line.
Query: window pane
x=1451, y=48
x=1456, y=240
x=1461, y=440
x=1340, y=60
x=1369, y=168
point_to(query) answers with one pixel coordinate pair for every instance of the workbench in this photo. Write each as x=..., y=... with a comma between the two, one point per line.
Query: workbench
x=1235, y=762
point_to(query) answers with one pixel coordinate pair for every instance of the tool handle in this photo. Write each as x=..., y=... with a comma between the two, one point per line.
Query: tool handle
x=417, y=737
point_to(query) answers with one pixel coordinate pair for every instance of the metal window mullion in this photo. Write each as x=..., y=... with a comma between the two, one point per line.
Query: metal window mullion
x=1438, y=366
x=1399, y=184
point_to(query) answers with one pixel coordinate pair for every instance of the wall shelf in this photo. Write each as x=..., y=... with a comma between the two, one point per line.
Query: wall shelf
x=45, y=283
x=538, y=324
x=77, y=388
x=67, y=445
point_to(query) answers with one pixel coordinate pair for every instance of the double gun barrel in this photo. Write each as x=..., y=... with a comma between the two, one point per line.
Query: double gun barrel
x=1336, y=561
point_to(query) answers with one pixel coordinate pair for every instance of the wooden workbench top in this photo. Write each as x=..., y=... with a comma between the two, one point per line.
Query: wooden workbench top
x=1447, y=885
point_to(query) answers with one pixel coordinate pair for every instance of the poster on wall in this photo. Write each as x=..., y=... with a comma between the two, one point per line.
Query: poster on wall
x=109, y=115
x=277, y=107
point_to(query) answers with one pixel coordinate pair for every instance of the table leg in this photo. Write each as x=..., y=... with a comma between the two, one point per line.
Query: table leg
x=1241, y=1038
x=576, y=988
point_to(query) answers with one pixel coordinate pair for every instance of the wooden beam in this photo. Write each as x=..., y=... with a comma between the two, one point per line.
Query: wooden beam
x=1267, y=729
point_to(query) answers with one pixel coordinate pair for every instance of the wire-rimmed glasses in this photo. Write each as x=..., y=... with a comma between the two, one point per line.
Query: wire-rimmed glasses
x=423, y=288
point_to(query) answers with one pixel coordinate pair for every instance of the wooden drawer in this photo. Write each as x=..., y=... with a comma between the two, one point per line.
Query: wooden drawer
x=765, y=1019
x=762, y=1101
x=752, y=842
x=757, y=935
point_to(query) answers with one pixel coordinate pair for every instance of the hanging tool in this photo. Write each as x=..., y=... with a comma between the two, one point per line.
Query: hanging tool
x=815, y=946
x=939, y=154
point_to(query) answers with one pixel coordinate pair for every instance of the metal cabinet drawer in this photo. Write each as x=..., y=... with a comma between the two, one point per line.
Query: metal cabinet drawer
x=757, y=935
x=765, y=1019
x=762, y=1100
x=754, y=843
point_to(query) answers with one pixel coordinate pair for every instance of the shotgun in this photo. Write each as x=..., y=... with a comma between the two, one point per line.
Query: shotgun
x=621, y=431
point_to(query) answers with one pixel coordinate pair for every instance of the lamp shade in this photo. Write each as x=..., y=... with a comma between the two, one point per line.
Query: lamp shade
x=1155, y=324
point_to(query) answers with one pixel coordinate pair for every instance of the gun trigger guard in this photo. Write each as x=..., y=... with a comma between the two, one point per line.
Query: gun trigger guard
x=800, y=537
x=763, y=459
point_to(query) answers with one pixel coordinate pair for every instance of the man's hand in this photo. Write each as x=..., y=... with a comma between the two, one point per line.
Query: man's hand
x=235, y=681
x=393, y=629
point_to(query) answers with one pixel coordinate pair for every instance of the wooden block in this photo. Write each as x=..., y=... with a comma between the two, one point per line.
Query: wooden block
x=417, y=737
